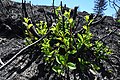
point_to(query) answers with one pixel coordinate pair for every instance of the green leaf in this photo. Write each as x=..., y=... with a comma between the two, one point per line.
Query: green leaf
x=38, y=30
x=47, y=59
x=95, y=67
x=57, y=44
x=57, y=59
x=90, y=21
x=50, y=54
x=72, y=52
x=80, y=36
x=56, y=12
x=67, y=14
x=79, y=44
x=25, y=24
x=29, y=26
x=88, y=44
x=53, y=28
x=26, y=20
x=60, y=59
x=28, y=40
x=87, y=18
x=71, y=65
x=85, y=27
x=109, y=52
x=70, y=20
x=59, y=8
x=37, y=24
x=57, y=69
x=59, y=38
x=66, y=41
x=118, y=21
x=83, y=62
x=79, y=59
x=41, y=23
x=36, y=38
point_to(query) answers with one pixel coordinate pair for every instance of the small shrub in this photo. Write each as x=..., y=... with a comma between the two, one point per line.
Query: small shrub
x=65, y=48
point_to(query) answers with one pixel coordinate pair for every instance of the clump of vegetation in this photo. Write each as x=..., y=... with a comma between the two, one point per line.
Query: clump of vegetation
x=69, y=49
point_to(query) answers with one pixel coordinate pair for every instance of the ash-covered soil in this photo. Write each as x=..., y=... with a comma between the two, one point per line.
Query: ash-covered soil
x=29, y=66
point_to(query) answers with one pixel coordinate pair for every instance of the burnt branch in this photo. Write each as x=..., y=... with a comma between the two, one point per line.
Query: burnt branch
x=107, y=35
x=54, y=9
x=22, y=50
x=99, y=21
x=33, y=28
x=24, y=8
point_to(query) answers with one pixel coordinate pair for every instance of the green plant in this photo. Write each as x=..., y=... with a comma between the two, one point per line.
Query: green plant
x=118, y=21
x=67, y=49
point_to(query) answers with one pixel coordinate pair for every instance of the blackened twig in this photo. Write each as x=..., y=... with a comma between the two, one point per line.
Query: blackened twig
x=75, y=12
x=107, y=35
x=54, y=10
x=63, y=21
x=33, y=28
x=61, y=7
x=22, y=50
x=32, y=12
x=97, y=22
x=24, y=8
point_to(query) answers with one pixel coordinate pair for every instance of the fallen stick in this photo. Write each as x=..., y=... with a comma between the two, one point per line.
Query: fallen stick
x=1, y=62
x=107, y=35
x=20, y=52
x=99, y=21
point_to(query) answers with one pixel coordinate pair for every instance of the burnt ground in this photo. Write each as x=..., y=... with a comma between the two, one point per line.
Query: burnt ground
x=29, y=66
